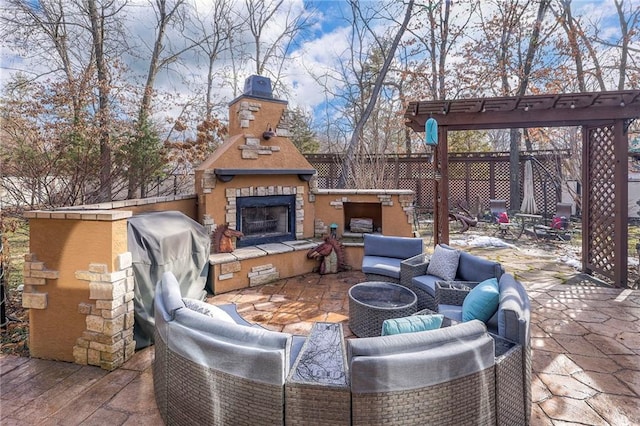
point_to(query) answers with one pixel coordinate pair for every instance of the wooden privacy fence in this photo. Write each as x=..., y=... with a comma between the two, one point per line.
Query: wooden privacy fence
x=474, y=178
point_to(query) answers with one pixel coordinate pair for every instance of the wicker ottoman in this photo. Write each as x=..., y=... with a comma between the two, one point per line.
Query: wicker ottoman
x=372, y=302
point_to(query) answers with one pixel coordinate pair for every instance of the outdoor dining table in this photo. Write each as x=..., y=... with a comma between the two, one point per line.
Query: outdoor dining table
x=528, y=221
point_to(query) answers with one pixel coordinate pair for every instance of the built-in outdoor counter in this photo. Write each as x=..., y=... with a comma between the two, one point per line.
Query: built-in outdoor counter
x=261, y=264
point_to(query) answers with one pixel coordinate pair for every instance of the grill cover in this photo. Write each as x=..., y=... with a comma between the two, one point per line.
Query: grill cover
x=160, y=242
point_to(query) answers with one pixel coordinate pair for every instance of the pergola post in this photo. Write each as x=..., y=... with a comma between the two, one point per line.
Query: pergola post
x=441, y=212
x=621, y=209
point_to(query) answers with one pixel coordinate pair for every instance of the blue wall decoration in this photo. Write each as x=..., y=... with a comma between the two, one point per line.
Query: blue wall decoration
x=431, y=132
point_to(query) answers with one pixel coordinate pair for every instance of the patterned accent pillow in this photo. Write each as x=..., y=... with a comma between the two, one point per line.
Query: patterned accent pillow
x=207, y=309
x=444, y=263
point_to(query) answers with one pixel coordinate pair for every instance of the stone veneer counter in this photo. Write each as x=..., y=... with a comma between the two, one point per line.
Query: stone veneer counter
x=252, y=252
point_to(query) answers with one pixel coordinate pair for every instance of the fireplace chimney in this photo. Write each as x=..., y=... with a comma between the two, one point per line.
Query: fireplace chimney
x=258, y=87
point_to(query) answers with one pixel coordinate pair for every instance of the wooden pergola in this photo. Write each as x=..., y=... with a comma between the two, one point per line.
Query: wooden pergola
x=605, y=118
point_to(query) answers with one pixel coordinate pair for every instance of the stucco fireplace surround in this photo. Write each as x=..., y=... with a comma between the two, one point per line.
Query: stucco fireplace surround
x=259, y=183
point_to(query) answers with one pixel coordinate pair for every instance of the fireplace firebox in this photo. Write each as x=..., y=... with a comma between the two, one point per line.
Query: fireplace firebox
x=268, y=219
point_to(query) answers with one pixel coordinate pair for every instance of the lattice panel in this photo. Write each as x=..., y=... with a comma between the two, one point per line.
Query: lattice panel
x=601, y=201
x=479, y=190
x=457, y=171
x=502, y=192
x=482, y=181
x=480, y=171
x=403, y=172
x=501, y=171
x=457, y=193
x=322, y=168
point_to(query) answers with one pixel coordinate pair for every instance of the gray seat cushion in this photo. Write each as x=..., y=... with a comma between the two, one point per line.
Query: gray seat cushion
x=426, y=283
x=386, y=246
x=474, y=268
x=219, y=345
x=453, y=312
x=388, y=266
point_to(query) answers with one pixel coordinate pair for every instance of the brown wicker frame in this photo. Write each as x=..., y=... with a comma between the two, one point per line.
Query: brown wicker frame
x=453, y=292
x=466, y=400
x=513, y=382
x=414, y=267
x=220, y=399
x=366, y=320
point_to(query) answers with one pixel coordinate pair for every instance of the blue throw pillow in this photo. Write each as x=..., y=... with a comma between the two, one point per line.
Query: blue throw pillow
x=411, y=324
x=481, y=302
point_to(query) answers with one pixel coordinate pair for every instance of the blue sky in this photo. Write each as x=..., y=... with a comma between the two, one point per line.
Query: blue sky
x=320, y=51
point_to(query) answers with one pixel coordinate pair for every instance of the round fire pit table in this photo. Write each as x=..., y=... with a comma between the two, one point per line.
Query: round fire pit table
x=372, y=302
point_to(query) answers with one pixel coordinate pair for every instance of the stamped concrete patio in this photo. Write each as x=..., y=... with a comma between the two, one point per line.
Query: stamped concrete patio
x=585, y=337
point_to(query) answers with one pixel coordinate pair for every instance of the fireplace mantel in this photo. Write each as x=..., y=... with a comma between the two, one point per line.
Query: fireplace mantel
x=225, y=175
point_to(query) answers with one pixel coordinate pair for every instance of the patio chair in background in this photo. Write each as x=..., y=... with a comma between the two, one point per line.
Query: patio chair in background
x=560, y=223
x=500, y=217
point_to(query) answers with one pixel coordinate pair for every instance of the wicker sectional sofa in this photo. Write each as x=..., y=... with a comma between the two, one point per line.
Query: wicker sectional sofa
x=216, y=372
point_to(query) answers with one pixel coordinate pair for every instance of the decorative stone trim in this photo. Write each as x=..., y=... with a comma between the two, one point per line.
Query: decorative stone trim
x=246, y=113
x=36, y=275
x=263, y=274
x=208, y=223
x=108, y=339
x=386, y=197
x=252, y=149
x=320, y=229
x=406, y=201
x=253, y=252
x=109, y=206
x=283, y=126
x=80, y=214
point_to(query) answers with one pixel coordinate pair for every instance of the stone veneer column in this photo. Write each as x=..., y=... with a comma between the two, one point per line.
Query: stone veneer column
x=108, y=339
x=79, y=287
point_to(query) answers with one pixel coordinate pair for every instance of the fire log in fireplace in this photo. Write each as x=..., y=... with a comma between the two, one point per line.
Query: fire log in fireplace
x=268, y=219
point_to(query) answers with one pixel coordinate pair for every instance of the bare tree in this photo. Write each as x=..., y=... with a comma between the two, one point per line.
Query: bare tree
x=213, y=32
x=270, y=54
x=388, y=54
x=260, y=13
x=511, y=38
x=144, y=150
x=97, y=27
x=72, y=35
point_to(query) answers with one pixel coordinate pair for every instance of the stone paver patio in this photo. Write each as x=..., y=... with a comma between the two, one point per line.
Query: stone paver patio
x=585, y=338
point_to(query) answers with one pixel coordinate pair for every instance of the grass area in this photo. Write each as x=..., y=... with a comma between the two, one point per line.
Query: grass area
x=15, y=244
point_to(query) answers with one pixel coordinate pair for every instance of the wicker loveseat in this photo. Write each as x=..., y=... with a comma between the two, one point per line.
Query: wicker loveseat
x=209, y=371
x=383, y=254
x=439, y=377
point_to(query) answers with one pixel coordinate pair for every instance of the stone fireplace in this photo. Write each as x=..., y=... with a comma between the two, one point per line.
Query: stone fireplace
x=258, y=183
x=265, y=214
